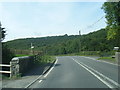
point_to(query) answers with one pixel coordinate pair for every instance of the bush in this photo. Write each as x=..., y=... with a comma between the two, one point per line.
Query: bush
x=7, y=55
x=42, y=59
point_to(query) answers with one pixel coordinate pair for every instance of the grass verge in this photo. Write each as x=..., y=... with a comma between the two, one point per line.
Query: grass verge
x=4, y=77
x=109, y=59
x=45, y=59
x=21, y=55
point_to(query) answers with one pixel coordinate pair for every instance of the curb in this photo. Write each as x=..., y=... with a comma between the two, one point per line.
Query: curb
x=44, y=72
x=48, y=68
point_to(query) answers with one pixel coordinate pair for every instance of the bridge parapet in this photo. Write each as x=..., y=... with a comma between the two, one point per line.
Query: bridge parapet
x=20, y=65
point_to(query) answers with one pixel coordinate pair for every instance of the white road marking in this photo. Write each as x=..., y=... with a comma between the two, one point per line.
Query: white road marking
x=40, y=81
x=33, y=81
x=40, y=76
x=105, y=82
x=49, y=70
x=102, y=75
x=100, y=60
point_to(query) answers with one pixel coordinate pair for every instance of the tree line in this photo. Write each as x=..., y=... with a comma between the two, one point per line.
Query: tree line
x=57, y=45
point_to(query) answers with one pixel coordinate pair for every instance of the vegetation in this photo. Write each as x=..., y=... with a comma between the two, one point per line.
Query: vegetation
x=21, y=55
x=58, y=45
x=7, y=54
x=100, y=42
x=109, y=59
x=2, y=33
x=112, y=10
x=44, y=59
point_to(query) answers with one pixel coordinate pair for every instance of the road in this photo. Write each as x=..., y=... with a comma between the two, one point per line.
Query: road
x=79, y=72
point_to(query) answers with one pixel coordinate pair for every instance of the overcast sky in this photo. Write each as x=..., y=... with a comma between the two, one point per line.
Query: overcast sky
x=39, y=19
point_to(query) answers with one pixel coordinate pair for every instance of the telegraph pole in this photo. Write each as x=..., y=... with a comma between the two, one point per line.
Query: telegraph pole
x=79, y=32
x=80, y=41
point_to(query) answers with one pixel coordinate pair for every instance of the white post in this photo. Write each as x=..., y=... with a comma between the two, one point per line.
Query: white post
x=32, y=49
x=117, y=57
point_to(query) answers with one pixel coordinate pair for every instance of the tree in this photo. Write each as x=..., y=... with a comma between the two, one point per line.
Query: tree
x=2, y=32
x=7, y=55
x=112, y=10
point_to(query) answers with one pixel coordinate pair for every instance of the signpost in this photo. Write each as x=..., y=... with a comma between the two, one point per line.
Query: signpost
x=117, y=55
x=32, y=47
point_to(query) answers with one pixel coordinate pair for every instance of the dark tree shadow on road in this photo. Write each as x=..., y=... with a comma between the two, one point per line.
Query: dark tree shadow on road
x=57, y=64
x=38, y=70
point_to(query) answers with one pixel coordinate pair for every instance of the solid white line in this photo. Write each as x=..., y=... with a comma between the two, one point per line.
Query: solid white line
x=106, y=83
x=102, y=75
x=49, y=70
x=99, y=60
x=37, y=78
x=33, y=81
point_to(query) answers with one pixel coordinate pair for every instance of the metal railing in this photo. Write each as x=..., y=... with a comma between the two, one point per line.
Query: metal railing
x=5, y=65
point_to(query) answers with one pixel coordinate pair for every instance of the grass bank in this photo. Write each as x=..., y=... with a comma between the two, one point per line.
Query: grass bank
x=108, y=59
x=21, y=55
x=44, y=59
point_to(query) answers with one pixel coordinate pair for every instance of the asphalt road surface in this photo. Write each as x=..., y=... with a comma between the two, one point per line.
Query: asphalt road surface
x=79, y=72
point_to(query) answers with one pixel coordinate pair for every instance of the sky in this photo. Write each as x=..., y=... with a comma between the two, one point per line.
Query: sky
x=41, y=19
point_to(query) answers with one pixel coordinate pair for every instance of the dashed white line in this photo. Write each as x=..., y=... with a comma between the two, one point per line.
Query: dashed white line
x=40, y=81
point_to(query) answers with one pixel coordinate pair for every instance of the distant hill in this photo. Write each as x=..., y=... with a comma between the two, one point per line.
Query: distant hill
x=39, y=42
x=94, y=41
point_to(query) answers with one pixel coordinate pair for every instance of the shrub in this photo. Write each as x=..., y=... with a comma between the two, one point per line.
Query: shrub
x=7, y=55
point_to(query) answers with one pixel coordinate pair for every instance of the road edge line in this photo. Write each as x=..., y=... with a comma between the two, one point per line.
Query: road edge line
x=100, y=61
x=51, y=68
x=106, y=83
x=41, y=75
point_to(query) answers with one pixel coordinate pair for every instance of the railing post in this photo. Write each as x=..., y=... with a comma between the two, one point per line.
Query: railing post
x=11, y=74
x=14, y=67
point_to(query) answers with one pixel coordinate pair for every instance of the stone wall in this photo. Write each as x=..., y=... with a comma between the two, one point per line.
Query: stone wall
x=21, y=65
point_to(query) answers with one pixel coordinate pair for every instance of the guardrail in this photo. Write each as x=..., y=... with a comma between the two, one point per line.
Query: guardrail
x=18, y=66
x=5, y=65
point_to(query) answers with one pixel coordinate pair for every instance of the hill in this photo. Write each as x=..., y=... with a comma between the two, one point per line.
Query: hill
x=54, y=45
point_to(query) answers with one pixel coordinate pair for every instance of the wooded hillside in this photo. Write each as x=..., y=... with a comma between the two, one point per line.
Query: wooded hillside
x=55, y=45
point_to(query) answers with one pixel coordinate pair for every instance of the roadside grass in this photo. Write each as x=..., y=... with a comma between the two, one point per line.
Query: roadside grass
x=45, y=59
x=4, y=77
x=66, y=54
x=109, y=59
x=90, y=55
x=75, y=54
x=21, y=55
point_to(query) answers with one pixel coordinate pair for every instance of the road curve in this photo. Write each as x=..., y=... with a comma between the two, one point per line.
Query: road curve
x=69, y=73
